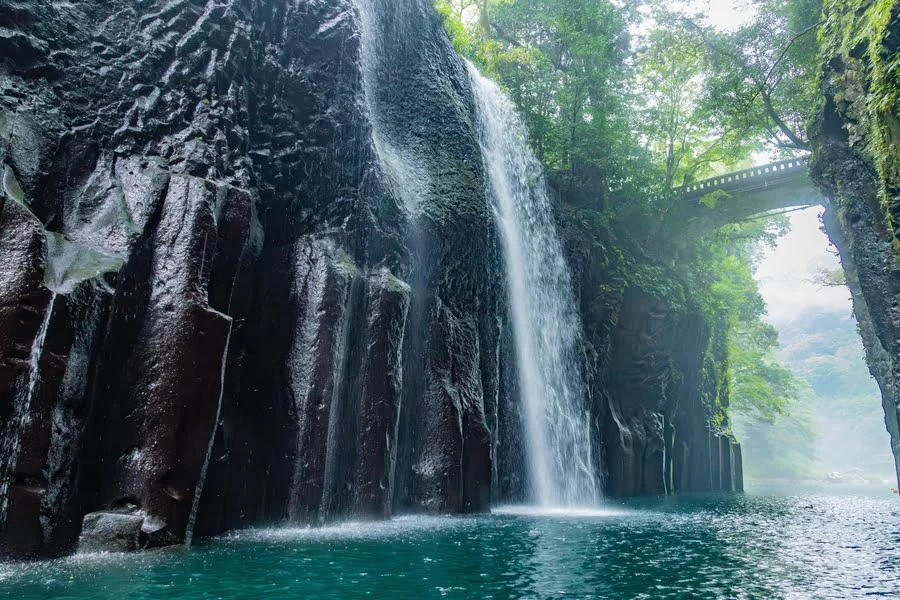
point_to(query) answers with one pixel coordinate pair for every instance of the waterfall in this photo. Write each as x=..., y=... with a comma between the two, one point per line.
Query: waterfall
x=546, y=327
x=665, y=457
x=11, y=443
x=402, y=163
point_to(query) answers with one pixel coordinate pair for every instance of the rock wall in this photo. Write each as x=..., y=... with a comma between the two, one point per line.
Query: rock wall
x=226, y=301
x=659, y=388
x=657, y=370
x=234, y=290
x=856, y=139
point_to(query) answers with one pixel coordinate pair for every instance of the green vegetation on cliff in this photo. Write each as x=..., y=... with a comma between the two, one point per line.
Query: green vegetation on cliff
x=626, y=104
x=861, y=40
x=856, y=137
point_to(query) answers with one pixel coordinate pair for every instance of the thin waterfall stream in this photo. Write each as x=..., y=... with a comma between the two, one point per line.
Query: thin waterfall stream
x=542, y=307
x=10, y=445
x=198, y=490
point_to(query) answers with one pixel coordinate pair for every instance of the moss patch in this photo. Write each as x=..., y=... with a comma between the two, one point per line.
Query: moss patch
x=345, y=263
x=864, y=37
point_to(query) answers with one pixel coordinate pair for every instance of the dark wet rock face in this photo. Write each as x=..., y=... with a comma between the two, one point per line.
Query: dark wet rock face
x=856, y=164
x=656, y=375
x=658, y=382
x=205, y=323
x=221, y=305
x=165, y=357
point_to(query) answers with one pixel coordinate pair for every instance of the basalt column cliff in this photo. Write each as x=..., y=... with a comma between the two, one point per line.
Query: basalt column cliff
x=250, y=273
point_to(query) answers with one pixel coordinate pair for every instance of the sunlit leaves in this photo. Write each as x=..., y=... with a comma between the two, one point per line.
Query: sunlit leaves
x=722, y=273
x=762, y=77
x=761, y=387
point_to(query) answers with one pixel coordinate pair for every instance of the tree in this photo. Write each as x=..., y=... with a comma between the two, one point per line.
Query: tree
x=761, y=387
x=831, y=278
x=677, y=123
x=762, y=76
x=565, y=64
x=721, y=270
x=620, y=128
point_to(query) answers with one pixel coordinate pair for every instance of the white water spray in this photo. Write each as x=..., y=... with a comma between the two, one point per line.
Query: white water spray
x=402, y=164
x=545, y=325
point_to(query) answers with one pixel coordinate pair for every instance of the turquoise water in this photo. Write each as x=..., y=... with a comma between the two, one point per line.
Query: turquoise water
x=752, y=546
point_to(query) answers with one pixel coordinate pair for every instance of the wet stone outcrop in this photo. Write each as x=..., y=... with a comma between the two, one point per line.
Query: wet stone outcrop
x=110, y=532
x=249, y=275
x=664, y=384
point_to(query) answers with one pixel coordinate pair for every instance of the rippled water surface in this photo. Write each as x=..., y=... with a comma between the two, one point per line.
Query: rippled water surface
x=753, y=546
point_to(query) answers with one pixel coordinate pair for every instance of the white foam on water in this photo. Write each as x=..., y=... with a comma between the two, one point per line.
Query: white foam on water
x=563, y=512
x=353, y=529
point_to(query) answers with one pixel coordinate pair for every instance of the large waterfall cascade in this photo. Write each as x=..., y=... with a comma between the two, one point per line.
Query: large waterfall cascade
x=546, y=326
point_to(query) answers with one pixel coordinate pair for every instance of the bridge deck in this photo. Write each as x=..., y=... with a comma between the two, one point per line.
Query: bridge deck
x=749, y=180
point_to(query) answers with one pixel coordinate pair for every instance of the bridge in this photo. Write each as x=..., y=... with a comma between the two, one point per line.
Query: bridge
x=778, y=185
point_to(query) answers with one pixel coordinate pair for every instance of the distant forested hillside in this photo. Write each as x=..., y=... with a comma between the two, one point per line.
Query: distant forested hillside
x=836, y=424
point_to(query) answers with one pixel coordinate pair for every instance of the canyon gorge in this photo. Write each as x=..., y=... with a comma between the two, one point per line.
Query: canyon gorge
x=294, y=262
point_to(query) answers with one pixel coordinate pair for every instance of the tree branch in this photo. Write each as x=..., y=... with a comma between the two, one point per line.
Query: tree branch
x=798, y=143
x=765, y=81
x=790, y=43
x=767, y=215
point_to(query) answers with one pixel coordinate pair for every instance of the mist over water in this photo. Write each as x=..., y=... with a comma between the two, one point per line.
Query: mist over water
x=545, y=325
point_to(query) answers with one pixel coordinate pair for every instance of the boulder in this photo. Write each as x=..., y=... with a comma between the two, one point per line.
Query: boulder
x=110, y=532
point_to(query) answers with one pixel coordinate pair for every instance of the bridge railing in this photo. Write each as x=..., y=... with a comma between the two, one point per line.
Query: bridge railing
x=752, y=176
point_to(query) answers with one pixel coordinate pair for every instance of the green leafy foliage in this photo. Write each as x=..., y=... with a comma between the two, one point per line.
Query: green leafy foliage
x=721, y=269
x=761, y=84
x=762, y=387
x=627, y=102
x=677, y=122
x=567, y=65
x=861, y=35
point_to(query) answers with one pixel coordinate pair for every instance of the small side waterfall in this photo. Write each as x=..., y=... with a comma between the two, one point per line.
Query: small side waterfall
x=10, y=445
x=402, y=163
x=545, y=325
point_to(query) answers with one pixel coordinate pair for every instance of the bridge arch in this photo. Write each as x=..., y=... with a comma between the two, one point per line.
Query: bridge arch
x=778, y=185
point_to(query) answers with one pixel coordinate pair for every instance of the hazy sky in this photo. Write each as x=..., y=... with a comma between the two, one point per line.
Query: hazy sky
x=725, y=14
x=786, y=273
